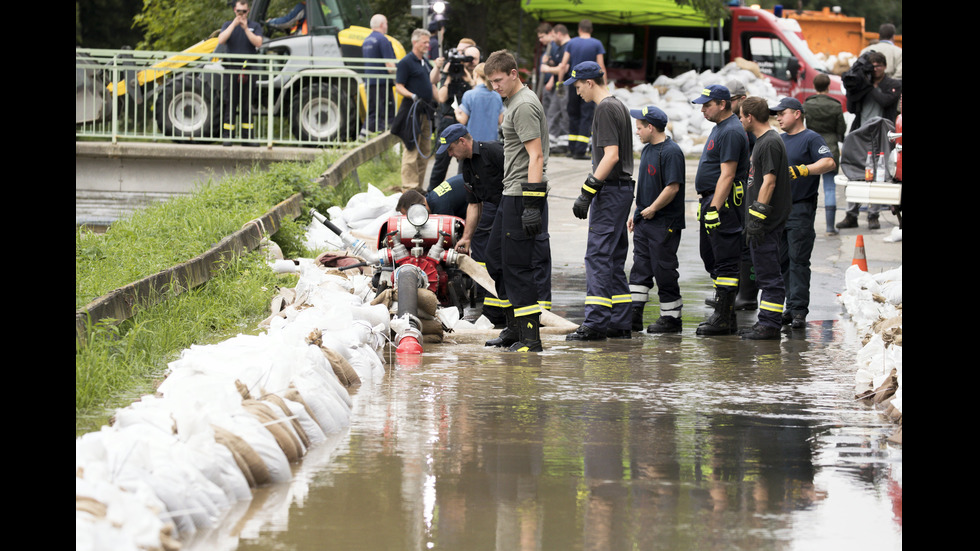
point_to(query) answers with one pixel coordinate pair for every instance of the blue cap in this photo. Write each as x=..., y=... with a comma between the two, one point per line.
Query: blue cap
x=652, y=114
x=584, y=70
x=786, y=103
x=714, y=91
x=452, y=133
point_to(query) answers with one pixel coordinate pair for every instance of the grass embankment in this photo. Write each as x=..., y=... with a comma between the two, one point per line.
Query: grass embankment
x=121, y=362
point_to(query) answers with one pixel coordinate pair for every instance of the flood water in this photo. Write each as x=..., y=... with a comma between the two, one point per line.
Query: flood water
x=670, y=442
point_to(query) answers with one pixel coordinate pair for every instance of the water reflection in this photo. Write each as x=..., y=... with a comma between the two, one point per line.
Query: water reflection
x=669, y=442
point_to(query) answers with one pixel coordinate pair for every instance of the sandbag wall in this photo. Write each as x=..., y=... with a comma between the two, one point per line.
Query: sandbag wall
x=874, y=303
x=230, y=417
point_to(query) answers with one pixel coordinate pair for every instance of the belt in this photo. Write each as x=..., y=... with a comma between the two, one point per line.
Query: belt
x=619, y=183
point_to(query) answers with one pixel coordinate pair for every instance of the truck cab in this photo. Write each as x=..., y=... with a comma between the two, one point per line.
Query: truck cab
x=777, y=46
x=643, y=42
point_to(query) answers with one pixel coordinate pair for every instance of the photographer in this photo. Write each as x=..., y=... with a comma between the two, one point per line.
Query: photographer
x=456, y=77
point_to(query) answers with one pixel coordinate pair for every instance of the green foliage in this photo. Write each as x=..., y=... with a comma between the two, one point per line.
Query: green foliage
x=173, y=25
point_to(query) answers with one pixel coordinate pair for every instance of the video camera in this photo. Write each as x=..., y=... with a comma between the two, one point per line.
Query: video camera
x=456, y=60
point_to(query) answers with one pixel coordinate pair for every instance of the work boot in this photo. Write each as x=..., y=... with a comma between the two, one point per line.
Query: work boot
x=510, y=335
x=722, y=321
x=748, y=289
x=798, y=322
x=620, y=333
x=530, y=330
x=873, y=223
x=849, y=221
x=665, y=324
x=759, y=332
x=586, y=333
x=637, y=321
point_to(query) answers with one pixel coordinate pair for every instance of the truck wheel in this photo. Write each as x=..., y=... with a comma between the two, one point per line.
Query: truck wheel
x=323, y=112
x=184, y=111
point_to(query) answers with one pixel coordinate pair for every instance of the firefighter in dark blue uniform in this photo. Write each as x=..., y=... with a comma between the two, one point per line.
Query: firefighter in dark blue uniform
x=606, y=198
x=720, y=184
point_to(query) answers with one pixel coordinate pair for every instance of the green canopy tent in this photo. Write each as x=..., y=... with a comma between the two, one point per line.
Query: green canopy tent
x=616, y=12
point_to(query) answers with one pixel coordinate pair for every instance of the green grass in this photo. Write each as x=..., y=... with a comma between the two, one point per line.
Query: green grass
x=120, y=362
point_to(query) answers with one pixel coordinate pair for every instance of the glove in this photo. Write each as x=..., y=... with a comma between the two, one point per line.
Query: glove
x=534, y=200
x=531, y=221
x=711, y=219
x=581, y=206
x=755, y=225
x=798, y=171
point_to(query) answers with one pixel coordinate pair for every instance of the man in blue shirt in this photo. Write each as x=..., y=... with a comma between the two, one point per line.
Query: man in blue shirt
x=720, y=180
x=381, y=103
x=414, y=81
x=577, y=50
x=809, y=157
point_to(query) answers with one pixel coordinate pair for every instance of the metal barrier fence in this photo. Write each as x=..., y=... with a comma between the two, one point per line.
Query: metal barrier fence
x=272, y=99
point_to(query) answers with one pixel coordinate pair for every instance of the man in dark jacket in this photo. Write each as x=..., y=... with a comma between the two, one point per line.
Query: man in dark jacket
x=869, y=92
x=825, y=116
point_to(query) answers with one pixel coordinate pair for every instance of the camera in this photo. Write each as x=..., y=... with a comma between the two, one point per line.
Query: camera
x=456, y=60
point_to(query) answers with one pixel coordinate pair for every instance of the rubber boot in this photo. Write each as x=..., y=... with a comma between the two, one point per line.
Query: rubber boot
x=748, y=289
x=722, y=321
x=831, y=216
x=713, y=300
x=637, y=322
x=510, y=334
x=530, y=330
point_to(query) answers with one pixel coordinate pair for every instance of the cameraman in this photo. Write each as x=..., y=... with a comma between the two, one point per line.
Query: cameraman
x=456, y=77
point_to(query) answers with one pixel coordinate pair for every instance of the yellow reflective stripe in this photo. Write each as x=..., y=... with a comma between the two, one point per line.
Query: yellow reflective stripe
x=757, y=214
x=247, y=125
x=588, y=189
x=770, y=306
x=533, y=193
x=621, y=299
x=578, y=138
x=546, y=304
x=227, y=126
x=727, y=282
x=484, y=264
x=494, y=301
x=599, y=301
x=527, y=310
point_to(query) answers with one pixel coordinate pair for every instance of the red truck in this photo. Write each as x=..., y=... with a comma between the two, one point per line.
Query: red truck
x=648, y=38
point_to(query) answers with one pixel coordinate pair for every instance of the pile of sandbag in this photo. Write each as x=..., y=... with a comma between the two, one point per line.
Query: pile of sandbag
x=230, y=417
x=687, y=126
x=874, y=303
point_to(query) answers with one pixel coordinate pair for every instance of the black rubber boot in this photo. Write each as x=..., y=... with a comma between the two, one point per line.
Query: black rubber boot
x=665, y=324
x=637, y=322
x=722, y=321
x=510, y=334
x=748, y=289
x=530, y=330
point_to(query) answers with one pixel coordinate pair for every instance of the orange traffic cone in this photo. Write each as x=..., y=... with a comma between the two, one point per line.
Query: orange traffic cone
x=859, y=259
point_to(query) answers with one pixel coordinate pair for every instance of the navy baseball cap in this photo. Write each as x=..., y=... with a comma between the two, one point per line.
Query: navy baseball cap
x=452, y=133
x=584, y=70
x=714, y=91
x=786, y=103
x=652, y=114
